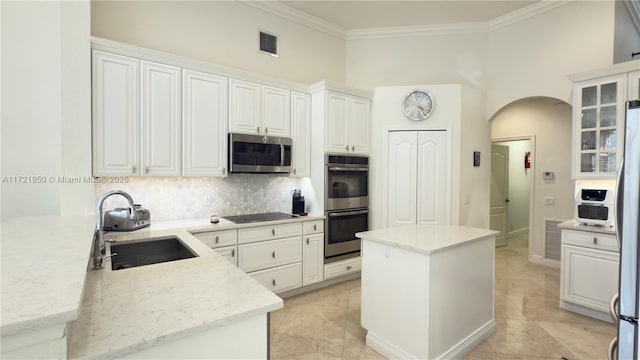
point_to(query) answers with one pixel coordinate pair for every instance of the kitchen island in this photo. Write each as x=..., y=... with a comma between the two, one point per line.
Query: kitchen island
x=427, y=290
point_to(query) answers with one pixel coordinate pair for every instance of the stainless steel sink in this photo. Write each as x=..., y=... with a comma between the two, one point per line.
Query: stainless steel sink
x=147, y=252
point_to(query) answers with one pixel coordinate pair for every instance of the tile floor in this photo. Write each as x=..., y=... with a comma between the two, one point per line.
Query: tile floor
x=325, y=324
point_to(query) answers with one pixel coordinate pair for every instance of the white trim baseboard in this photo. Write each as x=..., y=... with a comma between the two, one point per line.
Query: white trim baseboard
x=458, y=351
x=538, y=259
x=596, y=314
x=523, y=231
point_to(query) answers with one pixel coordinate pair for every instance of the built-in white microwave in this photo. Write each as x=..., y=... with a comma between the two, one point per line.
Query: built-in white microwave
x=594, y=206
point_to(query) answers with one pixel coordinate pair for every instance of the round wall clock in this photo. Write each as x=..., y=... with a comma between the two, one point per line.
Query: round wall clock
x=417, y=105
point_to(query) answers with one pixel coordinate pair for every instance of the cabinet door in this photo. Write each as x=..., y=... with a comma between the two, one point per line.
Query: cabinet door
x=589, y=277
x=432, y=174
x=598, y=113
x=312, y=258
x=402, y=178
x=337, y=126
x=115, y=115
x=160, y=114
x=359, y=125
x=245, y=107
x=204, y=124
x=634, y=86
x=276, y=111
x=301, y=133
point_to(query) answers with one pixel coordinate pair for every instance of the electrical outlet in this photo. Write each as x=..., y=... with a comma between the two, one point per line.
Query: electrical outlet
x=467, y=199
x=207, y=200
x=549, y=200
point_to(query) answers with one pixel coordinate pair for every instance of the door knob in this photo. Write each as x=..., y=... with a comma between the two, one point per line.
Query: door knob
x=507, y=200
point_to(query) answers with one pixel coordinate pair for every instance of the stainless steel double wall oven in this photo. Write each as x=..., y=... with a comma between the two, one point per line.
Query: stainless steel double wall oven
x=346, y=205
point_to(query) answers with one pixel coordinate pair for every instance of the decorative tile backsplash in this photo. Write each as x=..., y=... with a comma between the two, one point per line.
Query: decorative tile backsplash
x=172, y=198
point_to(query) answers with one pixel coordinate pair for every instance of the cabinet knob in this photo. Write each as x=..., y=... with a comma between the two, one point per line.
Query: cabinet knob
x=146, y=170
x=224, y=171
x=217, y=239
x=348, y=267
x=315, y=227
x=595, y=240
x=273, y=254
x=233, y=253
x=258, y=129
x=347, y=147
x=273, y=282
x=307, y=241
x=133, y=169
x=273, y=232
x=353, y=148
x=294, y=171
x=266, y=130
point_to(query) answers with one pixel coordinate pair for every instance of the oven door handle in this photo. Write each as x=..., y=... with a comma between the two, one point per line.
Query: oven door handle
x=342, y=168
x=349, y=213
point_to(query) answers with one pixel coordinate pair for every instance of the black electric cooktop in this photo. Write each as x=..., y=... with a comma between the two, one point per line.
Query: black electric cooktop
x=251, y=218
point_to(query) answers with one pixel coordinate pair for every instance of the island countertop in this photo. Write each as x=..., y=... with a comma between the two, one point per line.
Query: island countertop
x=574, y=225
x=425, y=238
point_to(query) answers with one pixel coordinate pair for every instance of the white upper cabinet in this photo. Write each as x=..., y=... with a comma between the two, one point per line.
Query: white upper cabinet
x=204, y=124
x=347, y=123
x=634, y=85
x=598, y=117
x=160, y=114
x=115, y=115
x=276, y=110
x=301, y=133
x=257, y=109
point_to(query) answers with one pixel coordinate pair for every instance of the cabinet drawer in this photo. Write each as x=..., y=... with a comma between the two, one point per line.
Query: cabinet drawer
x=268, y=254
x=280, y=279
x=313, y=227
x=215, y=239
x=343, y=267
x=260, y=233
x=230, y=253
x=590, y=239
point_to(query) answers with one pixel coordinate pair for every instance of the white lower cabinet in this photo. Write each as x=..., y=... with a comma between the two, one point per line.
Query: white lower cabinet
x=312, y=259
x=343, y=267
x=230, y=253
x=589, y=272
x=281, y=278
x=267, y=254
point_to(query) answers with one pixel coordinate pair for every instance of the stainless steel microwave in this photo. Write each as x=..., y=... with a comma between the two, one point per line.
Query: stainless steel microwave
x=259, y=154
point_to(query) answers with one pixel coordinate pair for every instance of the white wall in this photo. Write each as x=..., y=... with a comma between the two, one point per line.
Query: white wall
x=518, y=210
x=627, y=37
x=223, y=33
x=533, y=57
x=549, y=121
x=46, y=102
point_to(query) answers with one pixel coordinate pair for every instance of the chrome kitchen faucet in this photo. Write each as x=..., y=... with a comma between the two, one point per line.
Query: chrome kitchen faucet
x=98, y=249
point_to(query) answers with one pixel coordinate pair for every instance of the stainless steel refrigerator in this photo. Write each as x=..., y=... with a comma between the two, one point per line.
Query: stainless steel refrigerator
x=624, y=309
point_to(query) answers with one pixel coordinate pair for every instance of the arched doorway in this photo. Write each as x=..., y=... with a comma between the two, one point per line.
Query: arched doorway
x=546, y=123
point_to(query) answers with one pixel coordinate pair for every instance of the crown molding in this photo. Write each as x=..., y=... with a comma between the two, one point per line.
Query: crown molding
x=289, y=13
x=634, y=12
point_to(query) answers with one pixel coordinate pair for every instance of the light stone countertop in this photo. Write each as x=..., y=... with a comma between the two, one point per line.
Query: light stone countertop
x=44, y=274
x=44, y=261
x=426, y=239
x=574, y=225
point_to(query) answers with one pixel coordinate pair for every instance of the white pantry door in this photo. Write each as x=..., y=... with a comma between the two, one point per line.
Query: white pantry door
x=417, y=178
x=499, y=192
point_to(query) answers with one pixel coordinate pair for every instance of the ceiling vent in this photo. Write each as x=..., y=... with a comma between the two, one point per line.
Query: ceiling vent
x=268, y=43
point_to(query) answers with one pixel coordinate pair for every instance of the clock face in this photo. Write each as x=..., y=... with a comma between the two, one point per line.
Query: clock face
x=417, y=105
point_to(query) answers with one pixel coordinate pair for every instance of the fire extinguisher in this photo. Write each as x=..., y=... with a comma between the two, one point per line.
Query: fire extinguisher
x=527, y=160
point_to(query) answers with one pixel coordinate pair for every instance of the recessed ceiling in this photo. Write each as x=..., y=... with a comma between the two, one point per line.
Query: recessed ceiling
x=352, y=15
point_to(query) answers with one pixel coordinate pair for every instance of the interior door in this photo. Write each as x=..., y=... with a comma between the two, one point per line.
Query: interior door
x=432, y=207
x=499, y=192
x=402, y=178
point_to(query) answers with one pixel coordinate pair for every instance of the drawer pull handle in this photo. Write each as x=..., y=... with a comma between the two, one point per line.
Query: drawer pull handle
x=347, y=147
x=315, y=227
x=353, y=148
x=348, y=267
x=233, y=253
x=216, y=239
x=273, y=254
x=273, y=232
x=273, y=282
x=595, y=240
